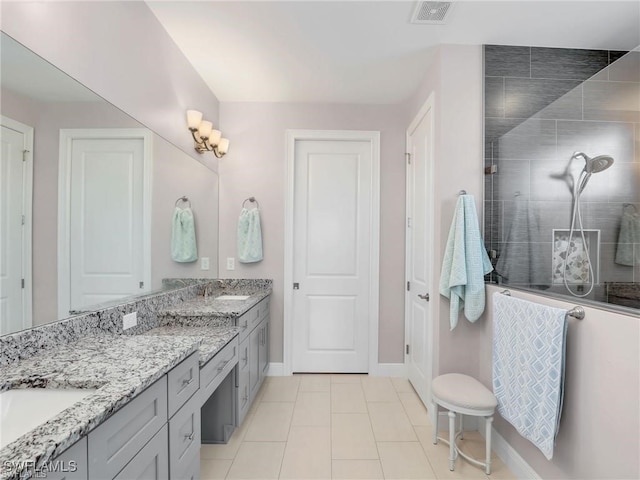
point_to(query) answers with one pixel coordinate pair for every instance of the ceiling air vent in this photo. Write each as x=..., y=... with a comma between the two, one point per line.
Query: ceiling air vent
x=434, y=13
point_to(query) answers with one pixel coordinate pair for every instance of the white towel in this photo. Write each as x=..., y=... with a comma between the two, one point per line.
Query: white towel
x=529, y=342
x=465, y=264
x=183, y=236
x=249, y=236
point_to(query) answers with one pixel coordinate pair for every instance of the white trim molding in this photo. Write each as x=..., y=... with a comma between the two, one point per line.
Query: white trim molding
x=396, y=370
x=373, y=137
x=276, y=369
x=511, y=458
x=64, y=202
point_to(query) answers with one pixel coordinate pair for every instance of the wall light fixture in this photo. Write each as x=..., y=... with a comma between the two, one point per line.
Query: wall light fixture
x=205, y=137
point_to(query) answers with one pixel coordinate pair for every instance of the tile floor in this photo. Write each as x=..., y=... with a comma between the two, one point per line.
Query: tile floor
x=339, y=427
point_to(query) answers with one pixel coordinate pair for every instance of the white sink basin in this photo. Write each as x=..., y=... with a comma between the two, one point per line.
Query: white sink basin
x=23, y=409
x=233, y=297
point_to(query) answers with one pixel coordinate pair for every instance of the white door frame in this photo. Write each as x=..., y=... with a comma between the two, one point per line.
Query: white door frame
x=429, y=105
x=64, y=202
x=346, y=135
x=27, y=202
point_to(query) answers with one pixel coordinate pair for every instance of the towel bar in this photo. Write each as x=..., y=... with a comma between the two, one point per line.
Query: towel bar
x=576, y=312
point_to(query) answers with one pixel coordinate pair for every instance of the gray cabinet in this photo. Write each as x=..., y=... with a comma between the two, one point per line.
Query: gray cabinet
x=254, y=370
x=71, y=465
x=263, y=347
x=216, y=369
x=112, y=444
x=184, y=437
x=182, y=382
x=150, y=463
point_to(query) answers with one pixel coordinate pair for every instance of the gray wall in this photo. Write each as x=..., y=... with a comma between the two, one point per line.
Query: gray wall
x=541, y=105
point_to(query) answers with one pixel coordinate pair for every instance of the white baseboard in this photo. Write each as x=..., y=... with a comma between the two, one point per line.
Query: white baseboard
x=512, y=459
x=398, y=370
x=276, y=369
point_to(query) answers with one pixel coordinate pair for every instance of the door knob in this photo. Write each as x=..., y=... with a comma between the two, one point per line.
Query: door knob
x=424, y=297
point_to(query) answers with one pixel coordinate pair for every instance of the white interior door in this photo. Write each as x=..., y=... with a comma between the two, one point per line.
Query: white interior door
x=106, y=222
x=332, y=245
x=419, y=247
x=15, y=194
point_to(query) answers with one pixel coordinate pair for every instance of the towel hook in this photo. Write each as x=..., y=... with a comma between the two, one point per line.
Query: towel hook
x=183, y=199
x=251, y=200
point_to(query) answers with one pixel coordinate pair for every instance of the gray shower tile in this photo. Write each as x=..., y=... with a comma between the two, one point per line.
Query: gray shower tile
x=615, y=55
x=637, y=143
x=612, y=101
x=526, y=97
x=543, y=217
x=506, y=61
x=492, y=224
x=524, y=256
x=547, y=182
x=610, y=271
x=533, y=139
x=567, y=63
x=494, y=128
x=604, y=217
x=512, y=179
x=626, y=68
x=596, y=138
x=623, y=182
x=493, y=96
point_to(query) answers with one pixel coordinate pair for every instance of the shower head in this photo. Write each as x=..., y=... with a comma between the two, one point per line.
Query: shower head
x=591, y=166
x=595, y=164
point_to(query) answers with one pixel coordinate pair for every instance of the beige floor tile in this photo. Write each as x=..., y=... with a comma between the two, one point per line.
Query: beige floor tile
x=214, y=469
x=257, y=460
x=347, y=398
x=415, y=409
x=315, y=383
x=390, y=423
x=379, y=389
x=352, y=437
x=357, y=469
x=307, y=454
x=281, y=389
x=226, y=451
x=348, y=378
x=270, y=423
x=404, y=460
x=402, y=385
x=499, y=471
x=312, y=409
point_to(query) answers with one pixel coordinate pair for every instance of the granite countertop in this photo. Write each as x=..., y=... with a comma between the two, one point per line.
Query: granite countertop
x=119, y=366
x=212, y=307
x=212, y=339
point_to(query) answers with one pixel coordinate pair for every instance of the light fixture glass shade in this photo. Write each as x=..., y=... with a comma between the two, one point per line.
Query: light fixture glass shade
x=223, y=146
x=194, y=118
x=214, y=137
x=205, y=129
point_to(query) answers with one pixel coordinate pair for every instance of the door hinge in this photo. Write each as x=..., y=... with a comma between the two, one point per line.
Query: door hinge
x=141, y=284
x=24, y=155
x=491, y=169
x=22, y=219
x=408, y=222
x=22, y=282
x=408, y=286
x=408, y=157
x=407, y=350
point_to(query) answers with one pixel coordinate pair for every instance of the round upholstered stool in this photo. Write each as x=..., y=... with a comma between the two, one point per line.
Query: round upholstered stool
x=464, y=395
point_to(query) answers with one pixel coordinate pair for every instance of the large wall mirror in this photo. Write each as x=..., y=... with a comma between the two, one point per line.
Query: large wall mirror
x=87, y=196
x=562, y=164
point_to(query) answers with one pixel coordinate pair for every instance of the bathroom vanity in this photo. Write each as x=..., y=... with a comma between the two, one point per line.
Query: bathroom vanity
x=194, y=362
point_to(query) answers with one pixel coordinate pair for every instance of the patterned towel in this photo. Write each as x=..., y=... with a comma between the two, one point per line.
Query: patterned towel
x=249, y=236
x=465, y=264
x=528, y=367
x=183, y=236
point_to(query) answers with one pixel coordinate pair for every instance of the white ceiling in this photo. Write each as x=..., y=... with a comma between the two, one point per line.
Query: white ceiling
x=367, y=51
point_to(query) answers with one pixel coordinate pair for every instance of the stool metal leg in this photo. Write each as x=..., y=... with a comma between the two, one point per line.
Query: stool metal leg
x=488, y=423
x=434, y=421
x=461, y=427
x=452, y=440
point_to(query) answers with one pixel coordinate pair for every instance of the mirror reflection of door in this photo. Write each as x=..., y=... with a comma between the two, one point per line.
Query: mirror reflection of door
x=105, y=196
x=16, y=173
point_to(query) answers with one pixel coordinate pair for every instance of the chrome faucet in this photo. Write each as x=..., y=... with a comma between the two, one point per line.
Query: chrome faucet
x=208, y=290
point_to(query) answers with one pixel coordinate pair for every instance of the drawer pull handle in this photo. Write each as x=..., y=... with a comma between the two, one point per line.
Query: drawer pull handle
x=187, y=382
x=221, y=367
x=189, y=437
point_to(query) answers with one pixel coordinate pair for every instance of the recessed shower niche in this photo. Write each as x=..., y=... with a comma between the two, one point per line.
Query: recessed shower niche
x=562, y=172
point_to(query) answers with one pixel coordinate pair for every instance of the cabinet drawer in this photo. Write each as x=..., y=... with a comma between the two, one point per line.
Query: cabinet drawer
x=243, y=356
x=71, y=465
x=254, y=316
x=191, y=470
x=114, y=443
x=184, y=436
x=151, y=463
x=244, y=322
x=264, y=307
x=182, y=382
x=214, y=371
x=243, y=397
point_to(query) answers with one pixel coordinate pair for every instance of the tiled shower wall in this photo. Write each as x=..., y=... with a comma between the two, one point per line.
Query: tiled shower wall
x=541, y=106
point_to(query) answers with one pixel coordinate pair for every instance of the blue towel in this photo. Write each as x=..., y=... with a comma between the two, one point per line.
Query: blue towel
x=465, y=264
x=183, y=236
x=529, y=343
x=249, y=236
